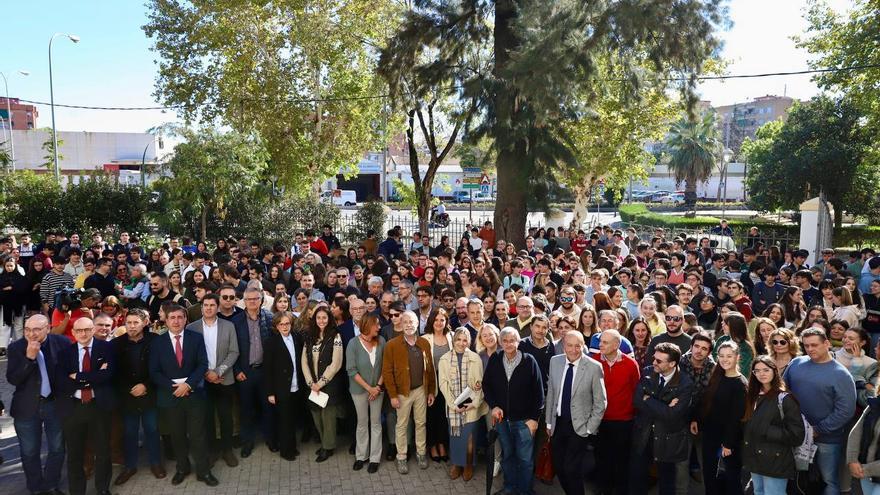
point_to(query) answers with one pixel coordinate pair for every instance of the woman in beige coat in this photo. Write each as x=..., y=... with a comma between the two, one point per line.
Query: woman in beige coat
x=460, y=370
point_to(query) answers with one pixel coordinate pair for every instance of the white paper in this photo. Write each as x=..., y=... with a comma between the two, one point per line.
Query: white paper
x=178, y=381
x=465, y=395
x=319, y=398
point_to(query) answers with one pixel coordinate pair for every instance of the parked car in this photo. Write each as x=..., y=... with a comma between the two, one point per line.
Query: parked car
x=461, y=197
x=483, y=198
x=340, y=197
x=674, y=198
x=654, y=196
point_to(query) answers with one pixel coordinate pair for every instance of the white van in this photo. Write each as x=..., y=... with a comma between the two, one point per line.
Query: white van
x=340, y=197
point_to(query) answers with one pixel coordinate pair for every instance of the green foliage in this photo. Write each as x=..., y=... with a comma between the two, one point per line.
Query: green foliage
x=823, y=146
x=49, y=157
x=693, y=146
x=370, y=216
x=298, y=73
x=36, y=203
x=407, y=193
x=5, y=157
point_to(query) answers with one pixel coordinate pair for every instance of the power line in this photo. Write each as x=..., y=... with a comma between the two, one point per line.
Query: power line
x=371, y=97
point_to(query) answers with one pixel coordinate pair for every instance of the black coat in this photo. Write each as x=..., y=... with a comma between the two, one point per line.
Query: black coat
x=99, y=379
x=278, y=368
x=132, y=370
x=769, y=438
x=669, y=426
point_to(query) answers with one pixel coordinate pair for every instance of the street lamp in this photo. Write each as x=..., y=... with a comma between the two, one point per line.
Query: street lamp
x=726, y=156
x=144, y=162
x=9, y=116
x=74, y=38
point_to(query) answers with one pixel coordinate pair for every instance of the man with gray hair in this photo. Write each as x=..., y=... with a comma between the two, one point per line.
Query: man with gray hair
x=609, y=320
x=375, y=286
x=405, y=294
x=515, y=394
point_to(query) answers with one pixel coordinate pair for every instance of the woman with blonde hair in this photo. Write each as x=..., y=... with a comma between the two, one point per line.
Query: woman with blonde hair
x=461, y=370
x=648, y=311
x=782, y=347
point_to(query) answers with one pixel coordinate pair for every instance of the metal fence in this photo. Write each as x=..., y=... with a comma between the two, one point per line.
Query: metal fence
x=783, y=239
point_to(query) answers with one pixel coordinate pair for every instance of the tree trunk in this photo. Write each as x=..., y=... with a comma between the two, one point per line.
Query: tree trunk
x=510, y=205
x=203, y=227
x=424, y=208
x=581, y=201
x=690, y=193
x=838, y=217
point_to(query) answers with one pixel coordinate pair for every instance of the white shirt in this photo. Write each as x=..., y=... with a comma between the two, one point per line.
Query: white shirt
x=174, y=341
x=210, y=334
x=574, y=371
x=371, y=354
x=82, y=353
x=668, y=378
x=288, y=341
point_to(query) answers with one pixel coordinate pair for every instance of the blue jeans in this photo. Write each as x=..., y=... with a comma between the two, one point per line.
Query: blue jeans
x=765, y=485
x=29, y=432
x=132, y=422
x=517, y=461
x=828, y=458
x=869, y=487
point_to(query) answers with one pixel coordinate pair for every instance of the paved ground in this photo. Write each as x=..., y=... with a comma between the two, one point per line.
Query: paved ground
x=265, y=473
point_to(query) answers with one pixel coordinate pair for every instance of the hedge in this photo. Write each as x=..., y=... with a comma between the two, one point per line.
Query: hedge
x=844, y=237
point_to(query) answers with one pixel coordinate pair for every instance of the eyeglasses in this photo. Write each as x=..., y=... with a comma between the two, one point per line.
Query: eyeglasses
x=448, y=299
x=673, y=318
x=779, y=342
x=227, y=298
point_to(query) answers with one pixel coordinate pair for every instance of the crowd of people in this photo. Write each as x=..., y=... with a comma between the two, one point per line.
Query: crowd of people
x=611, y=357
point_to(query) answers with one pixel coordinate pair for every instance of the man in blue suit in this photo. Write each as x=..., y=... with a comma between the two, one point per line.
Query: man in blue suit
x=178, y=362
x=85, y=398
x=252, y=327
x=31, y=370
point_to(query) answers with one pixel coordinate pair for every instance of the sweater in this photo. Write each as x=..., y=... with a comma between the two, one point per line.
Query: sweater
x=827, y=396
x=621, y=381
x=522, y=397
x=542, y=356
x=726, y=408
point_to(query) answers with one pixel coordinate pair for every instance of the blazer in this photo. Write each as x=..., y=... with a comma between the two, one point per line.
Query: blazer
x=588, y=400
x=227, y=347
x=131, y=370
x=99, y=380
x=357, y=361
x=278, y=368
x=24, y=374
x=395, y=367
x=244, y=343
x=164, y=368
x=346, y=331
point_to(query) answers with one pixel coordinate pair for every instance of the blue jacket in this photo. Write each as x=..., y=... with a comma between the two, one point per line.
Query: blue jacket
x=389, y=248
x=164, y=368
x=24, y=374
x=99, y=379
x=244, y=341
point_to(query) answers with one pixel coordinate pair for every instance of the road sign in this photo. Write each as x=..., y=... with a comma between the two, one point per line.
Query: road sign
x=484, y=180
x=471, y=178
x=484, y=188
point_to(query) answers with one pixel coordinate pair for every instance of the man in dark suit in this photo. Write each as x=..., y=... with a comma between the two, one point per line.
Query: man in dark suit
x=575, y=404
x=285, y=384
x=178, y=362
x=85, y=397
x=221, y=345
x=31, y=370
x=137, y=394
x=661, y=431
x=253, y=326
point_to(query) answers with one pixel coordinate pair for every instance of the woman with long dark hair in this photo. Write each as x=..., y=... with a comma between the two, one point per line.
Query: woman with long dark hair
x=639, y=333
x=735, y=329
x=35, y=276
x=722, y=408
x=793, y=306
x=773, y=425
x=321, y=364
x=14, y=291
x=438, y=334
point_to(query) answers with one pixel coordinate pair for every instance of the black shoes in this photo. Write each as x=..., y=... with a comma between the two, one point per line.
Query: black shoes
x=373, y=467
x=247, y=449
x=358, y=465
x=323, y=455
x=391, y=454
x=179, y=477
x=208, y=479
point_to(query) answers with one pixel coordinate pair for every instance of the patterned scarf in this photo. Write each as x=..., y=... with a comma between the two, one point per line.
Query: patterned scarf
x=459, y=379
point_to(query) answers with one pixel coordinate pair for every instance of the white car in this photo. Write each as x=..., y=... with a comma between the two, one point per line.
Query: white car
x=483, y=198
x=340, y=197
x=675, y=199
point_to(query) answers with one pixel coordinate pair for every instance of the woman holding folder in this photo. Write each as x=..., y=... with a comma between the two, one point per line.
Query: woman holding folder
x=460, y=377
x=321, y=362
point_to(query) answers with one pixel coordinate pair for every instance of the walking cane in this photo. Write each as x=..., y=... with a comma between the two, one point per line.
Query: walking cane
x=490, y=459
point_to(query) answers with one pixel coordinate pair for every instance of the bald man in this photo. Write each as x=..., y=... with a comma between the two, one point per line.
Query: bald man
x=85, y=400
x=31, y=370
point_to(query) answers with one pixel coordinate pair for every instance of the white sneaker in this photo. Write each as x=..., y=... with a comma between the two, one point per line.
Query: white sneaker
x=497, y=469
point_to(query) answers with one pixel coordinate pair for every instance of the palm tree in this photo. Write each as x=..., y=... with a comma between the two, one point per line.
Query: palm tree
x=693, y=146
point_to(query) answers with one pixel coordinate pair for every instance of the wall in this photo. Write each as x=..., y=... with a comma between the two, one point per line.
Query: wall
x=82, y=151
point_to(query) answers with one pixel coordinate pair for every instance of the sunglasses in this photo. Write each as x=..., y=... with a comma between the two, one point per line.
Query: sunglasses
x=227, y=298
x=674, y=318
x=779, y=342
x=567, y=299
x=394, y=315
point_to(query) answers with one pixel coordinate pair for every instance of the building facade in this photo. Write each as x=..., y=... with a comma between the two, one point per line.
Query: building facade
x=24, y=117
x=741, y=120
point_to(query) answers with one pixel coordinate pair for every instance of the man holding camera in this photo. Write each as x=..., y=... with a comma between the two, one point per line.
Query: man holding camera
x=73, y=305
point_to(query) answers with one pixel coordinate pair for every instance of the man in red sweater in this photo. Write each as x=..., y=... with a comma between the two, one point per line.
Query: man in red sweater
x=740, y=299
x=613, y=444
x=580, y=244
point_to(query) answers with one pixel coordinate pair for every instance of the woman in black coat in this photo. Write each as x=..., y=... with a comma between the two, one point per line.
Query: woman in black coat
x=278, y=362
x=14, y=292
x=769, y=434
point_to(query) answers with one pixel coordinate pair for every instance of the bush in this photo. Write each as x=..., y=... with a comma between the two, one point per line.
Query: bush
x=370, y=216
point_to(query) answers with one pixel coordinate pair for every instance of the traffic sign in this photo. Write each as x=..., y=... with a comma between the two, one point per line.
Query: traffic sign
x=484, y=188
x=471, y=177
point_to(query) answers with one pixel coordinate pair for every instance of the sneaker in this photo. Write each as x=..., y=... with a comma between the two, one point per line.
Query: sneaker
x=423, y=461
x=402, y=466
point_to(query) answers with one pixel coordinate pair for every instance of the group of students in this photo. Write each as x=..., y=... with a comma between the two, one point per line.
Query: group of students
x=623, y=352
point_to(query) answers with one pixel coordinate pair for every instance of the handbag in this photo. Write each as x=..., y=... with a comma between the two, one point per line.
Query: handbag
x=544, y=463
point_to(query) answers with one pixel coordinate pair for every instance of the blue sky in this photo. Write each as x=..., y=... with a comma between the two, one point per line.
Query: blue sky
x=113, y=65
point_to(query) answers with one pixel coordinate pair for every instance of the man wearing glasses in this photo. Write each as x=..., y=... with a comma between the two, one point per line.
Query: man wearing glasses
x=524, y=313
x=567, y=306
x=674, y=330
x=31, y=370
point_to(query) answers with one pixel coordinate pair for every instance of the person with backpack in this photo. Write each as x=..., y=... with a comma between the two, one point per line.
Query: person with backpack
x=773, y=427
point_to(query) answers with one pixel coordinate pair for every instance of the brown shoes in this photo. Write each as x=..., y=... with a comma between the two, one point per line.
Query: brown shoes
x=124, y=476
x=455, y=472
x=158, y=471
x=229, y=458
x=468, y=472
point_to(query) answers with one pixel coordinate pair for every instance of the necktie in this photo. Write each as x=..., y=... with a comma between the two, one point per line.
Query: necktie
x=662, y=382
x=86, y=393
x=565, y=410
x=178, y=351
x=45, y=386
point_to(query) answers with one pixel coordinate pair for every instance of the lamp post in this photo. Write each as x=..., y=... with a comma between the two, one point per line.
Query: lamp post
x=74, y=38
x=726, y=155
x=144, y=162
x=9, y=116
